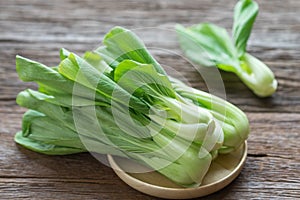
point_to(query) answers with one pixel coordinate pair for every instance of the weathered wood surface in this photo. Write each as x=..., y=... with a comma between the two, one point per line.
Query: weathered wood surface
x=37, y=29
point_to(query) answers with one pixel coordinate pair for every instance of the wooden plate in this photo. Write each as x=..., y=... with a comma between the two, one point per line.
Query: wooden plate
x=223, y=171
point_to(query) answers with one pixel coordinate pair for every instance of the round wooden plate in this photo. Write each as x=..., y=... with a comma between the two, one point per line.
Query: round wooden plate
x=223, y=171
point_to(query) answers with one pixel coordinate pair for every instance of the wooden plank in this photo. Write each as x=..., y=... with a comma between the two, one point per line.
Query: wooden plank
x=30, y=188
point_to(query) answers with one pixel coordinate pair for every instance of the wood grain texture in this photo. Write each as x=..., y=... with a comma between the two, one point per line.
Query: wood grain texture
x=37, y=29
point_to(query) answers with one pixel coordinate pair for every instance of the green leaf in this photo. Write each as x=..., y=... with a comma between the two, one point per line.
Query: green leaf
x=245, y=13
x=54, y=132
x=38, y=101
x=209, y=45
x=142, y=77
x=121, y=44
x=28, y=117
x=50, y=131
x=41, y=147
x=93, y=58
x=80, y=71
x=96, y=61
x=88, y=120
x=64, y=53
x=50, y=81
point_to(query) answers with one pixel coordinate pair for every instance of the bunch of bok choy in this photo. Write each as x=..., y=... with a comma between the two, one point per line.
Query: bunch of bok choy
x=118, y=100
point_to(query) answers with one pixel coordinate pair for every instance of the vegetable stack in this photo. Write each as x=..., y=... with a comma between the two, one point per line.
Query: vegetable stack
x=118, y=100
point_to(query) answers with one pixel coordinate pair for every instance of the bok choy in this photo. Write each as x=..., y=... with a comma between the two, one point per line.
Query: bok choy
x=118, y=100
x=210, y=45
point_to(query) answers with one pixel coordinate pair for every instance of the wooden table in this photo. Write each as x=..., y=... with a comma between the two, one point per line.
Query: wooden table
x=37, y=29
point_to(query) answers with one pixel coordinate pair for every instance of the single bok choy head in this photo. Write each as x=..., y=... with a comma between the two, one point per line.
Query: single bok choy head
x=210, y=45
x=118, y=100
